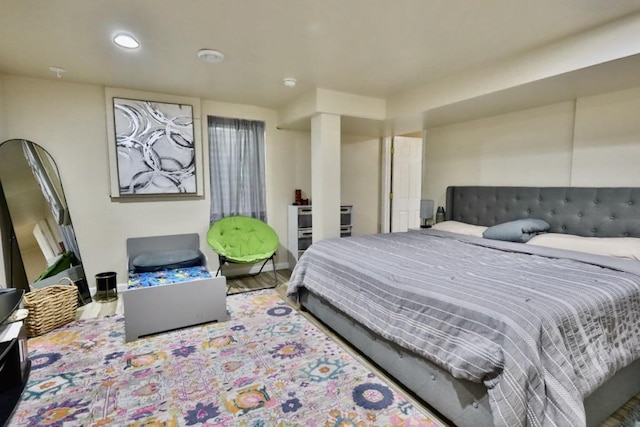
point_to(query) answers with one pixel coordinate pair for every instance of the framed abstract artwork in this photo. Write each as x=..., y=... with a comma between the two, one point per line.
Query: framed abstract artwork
x=155, y=148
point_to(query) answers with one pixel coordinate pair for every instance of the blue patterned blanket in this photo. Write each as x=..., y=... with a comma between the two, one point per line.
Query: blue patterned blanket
x=166, y=277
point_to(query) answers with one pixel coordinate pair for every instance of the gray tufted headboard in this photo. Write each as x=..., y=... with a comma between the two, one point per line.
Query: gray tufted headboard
x=583, y=211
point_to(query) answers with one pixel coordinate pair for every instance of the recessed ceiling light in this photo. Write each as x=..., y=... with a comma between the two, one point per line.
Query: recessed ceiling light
x=126, y=41
x=210, y=55
x=289, y=82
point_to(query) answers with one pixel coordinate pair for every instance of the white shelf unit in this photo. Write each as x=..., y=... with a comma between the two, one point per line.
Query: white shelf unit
x=301, y=232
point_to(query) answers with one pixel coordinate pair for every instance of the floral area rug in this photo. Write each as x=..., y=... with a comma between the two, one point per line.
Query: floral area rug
x=267, y=366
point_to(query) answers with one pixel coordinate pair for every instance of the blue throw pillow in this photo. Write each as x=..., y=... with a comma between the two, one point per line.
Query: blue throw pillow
x=166, y=260
x=520, y=230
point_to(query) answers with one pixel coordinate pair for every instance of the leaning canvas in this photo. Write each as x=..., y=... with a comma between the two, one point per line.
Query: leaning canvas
x=155, y=147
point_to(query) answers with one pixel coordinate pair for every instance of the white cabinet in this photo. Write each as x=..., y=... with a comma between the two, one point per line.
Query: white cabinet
x=300, y=231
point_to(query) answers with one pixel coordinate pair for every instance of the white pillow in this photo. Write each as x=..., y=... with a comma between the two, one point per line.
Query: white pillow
x=460, y=228
x=619, y=247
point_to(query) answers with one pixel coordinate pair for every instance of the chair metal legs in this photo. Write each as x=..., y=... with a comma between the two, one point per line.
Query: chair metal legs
x=275, y=275
x=222, y=260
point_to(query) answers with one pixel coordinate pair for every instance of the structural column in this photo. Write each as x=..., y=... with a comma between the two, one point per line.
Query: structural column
x=325, y=175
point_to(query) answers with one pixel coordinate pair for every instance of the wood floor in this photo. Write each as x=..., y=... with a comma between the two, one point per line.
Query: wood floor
x=262, y=280
x=266, y=280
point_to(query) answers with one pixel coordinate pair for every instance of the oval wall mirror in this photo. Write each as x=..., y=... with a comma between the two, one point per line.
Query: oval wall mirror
x=39, y=225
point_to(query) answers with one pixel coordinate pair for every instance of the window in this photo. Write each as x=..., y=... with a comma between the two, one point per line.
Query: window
x=236, y=163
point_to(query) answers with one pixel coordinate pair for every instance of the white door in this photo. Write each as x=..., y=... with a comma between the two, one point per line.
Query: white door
x=406, y=183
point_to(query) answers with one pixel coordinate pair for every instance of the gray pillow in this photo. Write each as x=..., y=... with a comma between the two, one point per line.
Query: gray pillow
x=520, y=230
x=165, y=260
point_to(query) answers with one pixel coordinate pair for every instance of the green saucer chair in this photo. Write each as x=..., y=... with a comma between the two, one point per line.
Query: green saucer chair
x=243, y=240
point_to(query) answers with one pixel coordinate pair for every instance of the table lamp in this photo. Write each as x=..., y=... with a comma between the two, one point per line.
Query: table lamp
x=426, y=212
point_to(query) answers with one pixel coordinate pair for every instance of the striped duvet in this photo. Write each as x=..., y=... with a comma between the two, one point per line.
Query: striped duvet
x=539, y=330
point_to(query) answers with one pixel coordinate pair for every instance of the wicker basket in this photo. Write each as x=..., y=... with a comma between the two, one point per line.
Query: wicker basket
x=50, y=308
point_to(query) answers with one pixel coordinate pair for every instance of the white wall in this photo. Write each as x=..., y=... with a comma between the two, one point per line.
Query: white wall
x=607, y=140
x=615, y=40
x=325, y=175
x=360, y=182
x=69, y=121
x=594, y=141
x=302, y=165
x=2, y=138
x=531, y=147
x=3, y=121
x=34, y=263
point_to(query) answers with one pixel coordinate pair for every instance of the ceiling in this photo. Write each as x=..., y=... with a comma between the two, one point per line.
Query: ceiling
x=375, y=48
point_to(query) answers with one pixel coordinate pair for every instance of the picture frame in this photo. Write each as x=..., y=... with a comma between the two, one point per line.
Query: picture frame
x=154, y=145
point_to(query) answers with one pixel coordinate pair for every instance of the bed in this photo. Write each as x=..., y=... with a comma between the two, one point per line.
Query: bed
x=490, y=332
x=170, y=286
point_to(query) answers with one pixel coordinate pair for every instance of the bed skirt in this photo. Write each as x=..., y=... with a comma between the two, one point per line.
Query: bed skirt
x=462, y=402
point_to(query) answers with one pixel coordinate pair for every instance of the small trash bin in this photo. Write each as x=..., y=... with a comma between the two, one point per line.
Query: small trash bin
x=106, y=287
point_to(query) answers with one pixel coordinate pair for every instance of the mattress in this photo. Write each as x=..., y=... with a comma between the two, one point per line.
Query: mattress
x=166, y=277
x=539, y=330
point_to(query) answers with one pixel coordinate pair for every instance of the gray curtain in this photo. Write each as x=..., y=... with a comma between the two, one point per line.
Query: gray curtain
x=236, y=162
